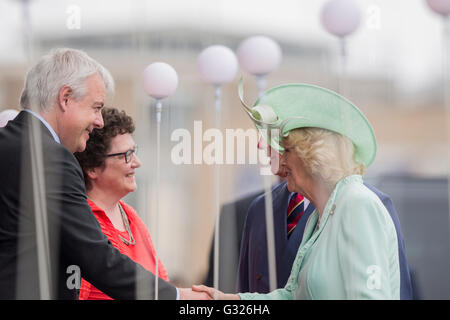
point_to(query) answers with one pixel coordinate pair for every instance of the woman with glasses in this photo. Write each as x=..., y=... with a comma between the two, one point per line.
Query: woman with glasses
x=109, y=163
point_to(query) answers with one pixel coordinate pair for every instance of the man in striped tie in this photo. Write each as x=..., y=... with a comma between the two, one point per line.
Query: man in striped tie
x=290, y=214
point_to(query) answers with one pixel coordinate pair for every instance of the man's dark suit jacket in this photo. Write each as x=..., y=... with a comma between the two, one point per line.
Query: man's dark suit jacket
x=232, y=219
x=253, y=274
x=74, y=235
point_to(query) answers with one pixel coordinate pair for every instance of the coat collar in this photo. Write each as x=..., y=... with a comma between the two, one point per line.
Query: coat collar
x=311, y=232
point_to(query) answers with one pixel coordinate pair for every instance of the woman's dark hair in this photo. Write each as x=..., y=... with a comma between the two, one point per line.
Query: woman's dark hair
x=97, y=147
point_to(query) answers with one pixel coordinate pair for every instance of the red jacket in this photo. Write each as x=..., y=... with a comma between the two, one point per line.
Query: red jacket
x=143, y=252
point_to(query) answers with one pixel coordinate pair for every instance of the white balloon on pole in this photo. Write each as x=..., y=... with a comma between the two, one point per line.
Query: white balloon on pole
x=217, y=64
x=441, y=7
x=259, y=55
x=340, y=17
x=160, y=80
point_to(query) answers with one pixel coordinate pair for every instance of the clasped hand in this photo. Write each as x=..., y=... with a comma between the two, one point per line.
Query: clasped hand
x=215, y=294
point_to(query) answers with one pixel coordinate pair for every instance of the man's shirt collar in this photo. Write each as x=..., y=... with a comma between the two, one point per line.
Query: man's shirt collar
x=55, y=136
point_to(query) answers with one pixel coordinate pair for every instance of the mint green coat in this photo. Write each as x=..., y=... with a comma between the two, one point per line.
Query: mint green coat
x=353, y=254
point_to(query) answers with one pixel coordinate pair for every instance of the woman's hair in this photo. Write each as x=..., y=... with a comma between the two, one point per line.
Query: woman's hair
x=97, y=147
x=325, y=154
x=61, y=67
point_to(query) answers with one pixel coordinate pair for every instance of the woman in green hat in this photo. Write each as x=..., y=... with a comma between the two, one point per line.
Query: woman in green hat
x=349, y=247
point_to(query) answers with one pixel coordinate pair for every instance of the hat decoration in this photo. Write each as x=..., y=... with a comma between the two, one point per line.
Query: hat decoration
x=262, y=115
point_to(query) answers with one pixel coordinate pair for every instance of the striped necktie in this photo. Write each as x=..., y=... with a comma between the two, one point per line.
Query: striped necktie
x=294, y=212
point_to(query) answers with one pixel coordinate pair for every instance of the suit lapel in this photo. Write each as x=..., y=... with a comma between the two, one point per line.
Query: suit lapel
x=280, y=203
x=297, y=235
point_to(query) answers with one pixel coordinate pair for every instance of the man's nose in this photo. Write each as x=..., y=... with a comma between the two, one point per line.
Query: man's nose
x=98, y=123
x=282, y=158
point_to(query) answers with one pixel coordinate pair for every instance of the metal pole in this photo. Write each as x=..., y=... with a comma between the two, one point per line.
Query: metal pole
x=270, y=232
x=158, y=180
x=217, y=106
x=342, y=65
x=446, y=84
x=38, y=178
x=40, y=209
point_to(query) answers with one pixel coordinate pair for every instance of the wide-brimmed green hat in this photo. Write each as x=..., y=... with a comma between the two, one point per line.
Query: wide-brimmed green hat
x=298, y=105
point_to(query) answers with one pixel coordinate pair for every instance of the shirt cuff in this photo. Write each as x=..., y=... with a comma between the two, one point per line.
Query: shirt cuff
x=178, y=294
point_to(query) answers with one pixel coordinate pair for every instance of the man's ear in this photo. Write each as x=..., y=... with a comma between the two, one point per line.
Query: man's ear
x=65, y=94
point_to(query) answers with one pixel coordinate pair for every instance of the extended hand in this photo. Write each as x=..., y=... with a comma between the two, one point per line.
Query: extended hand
x=188, y=294
x=215, y=294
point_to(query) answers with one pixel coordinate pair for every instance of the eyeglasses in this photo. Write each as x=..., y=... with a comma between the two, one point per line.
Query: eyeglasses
x=128, y=154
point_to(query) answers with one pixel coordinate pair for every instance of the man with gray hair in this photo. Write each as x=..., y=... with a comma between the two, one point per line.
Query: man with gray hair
x=49, y=237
